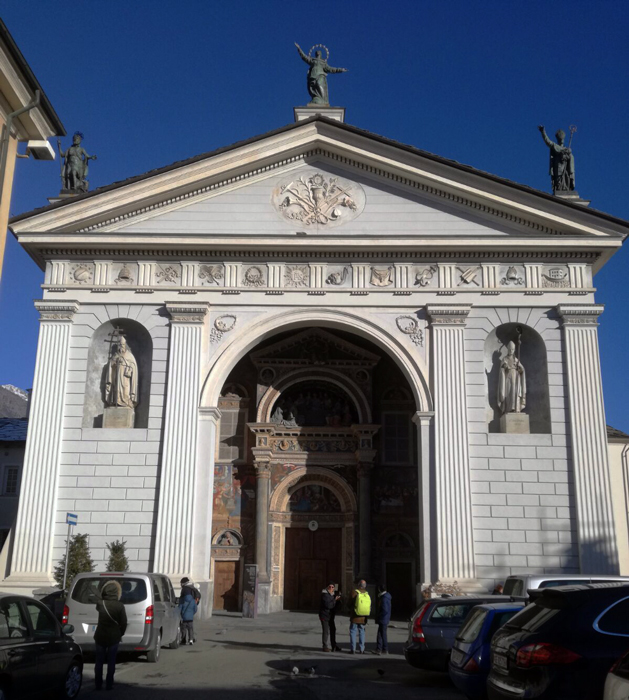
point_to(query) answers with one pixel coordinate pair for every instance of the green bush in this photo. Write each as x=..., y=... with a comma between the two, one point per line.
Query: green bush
x=117, y=558
x=79, y=560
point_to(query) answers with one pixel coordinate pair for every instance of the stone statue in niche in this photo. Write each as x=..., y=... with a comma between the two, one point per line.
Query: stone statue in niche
x=512, y=391
x=121, y=384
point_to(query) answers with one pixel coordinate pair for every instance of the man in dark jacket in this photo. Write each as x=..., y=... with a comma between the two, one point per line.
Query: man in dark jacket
x=383, y=618
x=327, y=613
x=112, y=624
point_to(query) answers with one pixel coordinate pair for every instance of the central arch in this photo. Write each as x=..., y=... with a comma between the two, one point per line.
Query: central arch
x=251, y=335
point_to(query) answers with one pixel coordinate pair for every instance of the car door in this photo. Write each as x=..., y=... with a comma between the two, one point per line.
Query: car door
x=18, y=651
x=173, y=612
x=52, y=651
x=161, y=606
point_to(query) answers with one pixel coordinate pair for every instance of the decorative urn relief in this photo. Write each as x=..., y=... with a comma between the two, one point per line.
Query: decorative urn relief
x=317, y=199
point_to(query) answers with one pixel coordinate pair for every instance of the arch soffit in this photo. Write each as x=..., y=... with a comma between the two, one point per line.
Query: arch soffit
x=312, y=476
x=411, y=365
x=318, y=373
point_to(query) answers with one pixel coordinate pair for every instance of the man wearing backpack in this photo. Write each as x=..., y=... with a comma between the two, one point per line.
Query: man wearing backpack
x=362, y=610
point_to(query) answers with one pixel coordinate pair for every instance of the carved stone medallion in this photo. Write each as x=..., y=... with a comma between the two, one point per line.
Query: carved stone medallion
x=211, y=274
x=168, y=274
x=410, y=327
x=223, y=324
x=381, y=277
x=253, y=277
x=318, y=199
x=512, y=277
x=296, y=276
x=82, y=274
x=555, y=277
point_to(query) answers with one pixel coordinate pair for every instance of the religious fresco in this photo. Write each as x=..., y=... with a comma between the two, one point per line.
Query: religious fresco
x=314, y=499
x=395, y=491
x=279, y=472
x=314, y=403
x=233, y=491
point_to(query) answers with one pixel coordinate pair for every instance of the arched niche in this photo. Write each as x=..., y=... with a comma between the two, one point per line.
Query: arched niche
x=312, y=476
x=141, y=345
x=534, y=361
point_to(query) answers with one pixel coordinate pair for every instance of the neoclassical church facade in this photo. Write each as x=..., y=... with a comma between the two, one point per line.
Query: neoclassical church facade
x=324, y=353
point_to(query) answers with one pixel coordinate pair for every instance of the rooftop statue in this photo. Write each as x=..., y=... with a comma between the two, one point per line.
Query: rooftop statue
x=318, y=74
x=74, y=168
x=561, y=161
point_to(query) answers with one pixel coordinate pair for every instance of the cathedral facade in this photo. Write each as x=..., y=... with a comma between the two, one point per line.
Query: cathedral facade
x=325, y=354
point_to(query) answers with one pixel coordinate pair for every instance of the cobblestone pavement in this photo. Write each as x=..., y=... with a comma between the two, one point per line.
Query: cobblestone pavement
x=253, y=660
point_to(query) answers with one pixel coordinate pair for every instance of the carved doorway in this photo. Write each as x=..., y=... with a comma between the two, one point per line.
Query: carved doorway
x=312, y=560
x=226, y=579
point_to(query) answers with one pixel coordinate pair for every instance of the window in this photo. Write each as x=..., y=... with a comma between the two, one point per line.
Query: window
x=44, y=624
x=10, y=481
x=451, y=614
x=87, y=590
x=615, y=620
x=471, y=629
x=231, y=447
x=396, y=438
x=12, y=622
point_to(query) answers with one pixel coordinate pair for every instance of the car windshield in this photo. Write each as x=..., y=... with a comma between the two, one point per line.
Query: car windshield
x=513, y=586
x=472, y=626
x=500, y=619
x=87, y=590
x=532, y=617
x=452, y=613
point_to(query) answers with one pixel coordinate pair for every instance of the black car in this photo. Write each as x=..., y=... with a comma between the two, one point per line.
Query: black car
x=562, y=645
x=37, y=655
x=433, y=628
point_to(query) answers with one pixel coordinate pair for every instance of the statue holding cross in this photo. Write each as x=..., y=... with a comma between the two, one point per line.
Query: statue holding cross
x=121, y=382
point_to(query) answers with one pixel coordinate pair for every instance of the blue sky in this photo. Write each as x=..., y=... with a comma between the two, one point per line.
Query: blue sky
x=155, y=81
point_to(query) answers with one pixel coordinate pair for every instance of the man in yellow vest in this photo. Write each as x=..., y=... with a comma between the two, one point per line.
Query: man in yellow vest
x=358, y=620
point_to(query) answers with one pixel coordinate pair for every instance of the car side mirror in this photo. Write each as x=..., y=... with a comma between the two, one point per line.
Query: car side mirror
x=67, y=629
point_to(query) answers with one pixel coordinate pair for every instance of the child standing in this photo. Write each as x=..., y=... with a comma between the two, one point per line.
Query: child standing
x=187, y=609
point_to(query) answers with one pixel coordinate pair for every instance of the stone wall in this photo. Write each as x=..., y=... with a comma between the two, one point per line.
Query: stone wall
x=109, y=476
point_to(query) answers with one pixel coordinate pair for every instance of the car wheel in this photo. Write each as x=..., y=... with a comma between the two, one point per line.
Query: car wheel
x=175, y=643
x=153, y=654
x=72, y=681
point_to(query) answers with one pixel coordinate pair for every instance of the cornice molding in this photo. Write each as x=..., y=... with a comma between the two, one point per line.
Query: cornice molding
x=580, y=314
x=56, y=311
x=448, y=314
x=187, y=313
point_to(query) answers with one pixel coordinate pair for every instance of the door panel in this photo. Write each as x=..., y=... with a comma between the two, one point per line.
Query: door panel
x=311, y=560
x=226, y=593
x=400, y=585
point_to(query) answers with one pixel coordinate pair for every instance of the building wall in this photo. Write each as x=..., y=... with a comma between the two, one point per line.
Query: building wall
x=11, y=455
x=619, y=469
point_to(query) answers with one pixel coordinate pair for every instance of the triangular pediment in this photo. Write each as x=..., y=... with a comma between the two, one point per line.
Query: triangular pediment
x=318, y=180
x=314, y=346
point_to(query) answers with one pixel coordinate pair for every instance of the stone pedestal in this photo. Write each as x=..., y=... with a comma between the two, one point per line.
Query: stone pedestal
x=118, y=417
x=517, y=423
x=573, y=196
x=301, y=113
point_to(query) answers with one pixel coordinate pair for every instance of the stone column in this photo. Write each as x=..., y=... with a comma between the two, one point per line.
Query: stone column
x=204, y=501
x=453, y=510
x=423, y=421
x=174, y=542
x=363, y=469
x=598, y=550
x=262, y=465
x=31, y=563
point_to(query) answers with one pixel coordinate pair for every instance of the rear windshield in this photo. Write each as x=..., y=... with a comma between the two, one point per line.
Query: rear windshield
x=472, y=626
x=514, y=586
x=87, y=590
x=500, y=619
x=532, y=618
x=576, y=582
x=453, y=613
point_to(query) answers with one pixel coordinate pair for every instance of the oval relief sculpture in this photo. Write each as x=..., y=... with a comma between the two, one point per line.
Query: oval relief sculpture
x=318, y=199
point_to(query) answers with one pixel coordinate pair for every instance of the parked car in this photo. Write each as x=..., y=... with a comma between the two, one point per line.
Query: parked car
x=519, y=584
x=562, y=645
x=37, y=654
x=617, y=681
x=434, y=625
x=150, y=604
x=469, y=659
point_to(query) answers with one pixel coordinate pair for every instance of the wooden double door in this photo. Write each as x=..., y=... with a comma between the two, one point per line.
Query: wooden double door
x=311, y=561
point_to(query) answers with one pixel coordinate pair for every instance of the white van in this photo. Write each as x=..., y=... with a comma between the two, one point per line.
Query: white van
x=150, y=604
x=519, y=584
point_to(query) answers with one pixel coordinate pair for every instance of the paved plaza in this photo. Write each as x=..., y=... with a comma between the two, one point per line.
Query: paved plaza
x=247, y=659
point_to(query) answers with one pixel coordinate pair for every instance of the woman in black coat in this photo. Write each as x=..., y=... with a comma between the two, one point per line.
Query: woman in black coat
x=112, y=624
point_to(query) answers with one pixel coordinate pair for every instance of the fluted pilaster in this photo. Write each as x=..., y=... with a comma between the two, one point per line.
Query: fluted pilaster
x=174, y=543
x=453, y=510
x=598, y=550
x=423, y=420
x=32, y=554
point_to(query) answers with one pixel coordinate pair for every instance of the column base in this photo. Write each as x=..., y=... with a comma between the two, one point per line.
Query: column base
x=206, y=588
x=264, y=606
x=27, y=584
x=464, y=586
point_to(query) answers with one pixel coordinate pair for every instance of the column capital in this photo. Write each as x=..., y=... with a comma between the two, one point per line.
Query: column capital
x=580, y=314
x=210, y=413
x=423, y=417
x=262, y=461
x=182, y=312
x=56, y=310
x=448, y=314
x=365, y=459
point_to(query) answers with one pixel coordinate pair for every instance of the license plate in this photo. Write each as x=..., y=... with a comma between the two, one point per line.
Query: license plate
x=456, y=657
x=501, y=662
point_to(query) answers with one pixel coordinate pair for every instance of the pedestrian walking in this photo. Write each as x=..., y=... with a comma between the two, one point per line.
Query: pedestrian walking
x=188, y=588
x=112, y=624
x=358, y=620
x=383, y=618
x=187, y=610
x=327, y=614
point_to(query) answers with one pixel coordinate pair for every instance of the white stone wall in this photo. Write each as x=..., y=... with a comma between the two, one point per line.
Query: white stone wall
x=522, y=485
x=109, y=476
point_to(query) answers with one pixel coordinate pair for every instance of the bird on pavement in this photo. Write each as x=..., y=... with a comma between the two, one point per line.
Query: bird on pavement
x=295, y=670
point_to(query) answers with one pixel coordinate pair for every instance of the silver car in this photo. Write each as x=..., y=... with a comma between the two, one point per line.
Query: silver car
x=150, y=604
x=519, y=584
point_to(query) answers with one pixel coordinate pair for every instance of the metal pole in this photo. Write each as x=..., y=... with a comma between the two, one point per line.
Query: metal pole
x=65, y=570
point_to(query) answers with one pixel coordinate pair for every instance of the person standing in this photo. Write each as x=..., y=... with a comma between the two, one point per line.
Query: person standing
x=362, y=610
x=188, y=588
x=112, y=624
x=383, y=619
x=187, y=610
x=327, y=615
